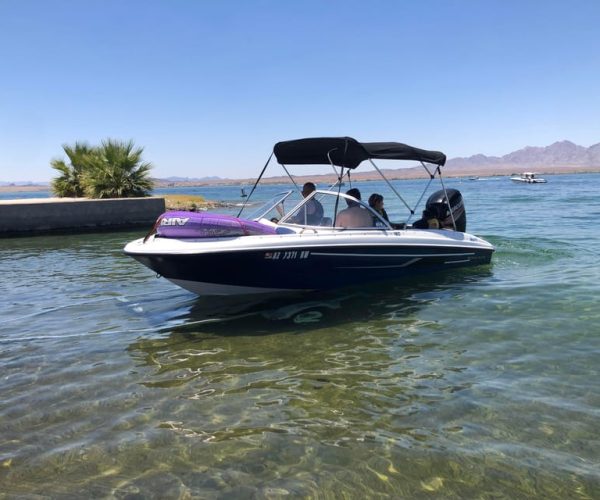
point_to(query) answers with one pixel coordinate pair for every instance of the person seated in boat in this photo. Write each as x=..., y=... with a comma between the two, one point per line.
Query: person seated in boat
x=354, y=215
x=311, y=212
x=376, y=203
x=427, y=221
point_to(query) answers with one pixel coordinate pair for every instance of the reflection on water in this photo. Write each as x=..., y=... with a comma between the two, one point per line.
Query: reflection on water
x=312, y=379
x=355, y=393
x=266, y=313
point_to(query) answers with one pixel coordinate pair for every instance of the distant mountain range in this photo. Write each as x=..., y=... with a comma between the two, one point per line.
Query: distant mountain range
x=174, y=178
x=560, y=157
x=559, y=154
x=23, y=183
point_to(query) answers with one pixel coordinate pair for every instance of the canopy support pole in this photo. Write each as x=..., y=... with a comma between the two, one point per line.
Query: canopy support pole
x=339, y=184
x=431, y=177
x=255, y=184
x=337, y=175
x=337, y=198
x=291, y=178
x=439, y=171
x=392, y=187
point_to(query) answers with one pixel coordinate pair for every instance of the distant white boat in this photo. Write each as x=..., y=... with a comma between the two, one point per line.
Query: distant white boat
x=529, y=178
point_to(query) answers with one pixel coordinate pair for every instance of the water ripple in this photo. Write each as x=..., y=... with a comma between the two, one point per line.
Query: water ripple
x=475, y=384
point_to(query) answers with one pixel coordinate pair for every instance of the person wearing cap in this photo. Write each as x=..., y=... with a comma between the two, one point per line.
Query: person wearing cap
x=354, y=215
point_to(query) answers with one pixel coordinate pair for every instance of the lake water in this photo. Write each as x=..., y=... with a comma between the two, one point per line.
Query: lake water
x=482, y=383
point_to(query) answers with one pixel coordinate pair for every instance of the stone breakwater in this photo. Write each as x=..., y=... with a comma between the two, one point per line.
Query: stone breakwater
x=46, y=215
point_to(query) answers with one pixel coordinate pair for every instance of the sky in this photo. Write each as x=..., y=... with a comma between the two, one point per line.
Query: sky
x=208, y=87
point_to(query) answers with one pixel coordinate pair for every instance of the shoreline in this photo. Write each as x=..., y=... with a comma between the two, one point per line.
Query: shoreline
x=391, y=174
x=371, y=175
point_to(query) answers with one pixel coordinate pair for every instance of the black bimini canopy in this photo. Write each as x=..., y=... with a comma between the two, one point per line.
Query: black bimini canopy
x=348, y=152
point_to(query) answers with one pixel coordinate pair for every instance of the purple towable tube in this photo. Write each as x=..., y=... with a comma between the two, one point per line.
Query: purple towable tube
x=182, y=224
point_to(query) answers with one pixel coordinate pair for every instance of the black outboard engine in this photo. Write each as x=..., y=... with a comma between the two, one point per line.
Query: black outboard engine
x=438, y=206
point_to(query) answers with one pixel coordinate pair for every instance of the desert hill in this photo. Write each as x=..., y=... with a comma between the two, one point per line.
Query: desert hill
x=559, y=157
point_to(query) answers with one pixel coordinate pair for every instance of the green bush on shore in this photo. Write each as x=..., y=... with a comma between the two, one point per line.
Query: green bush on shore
x=112, y=170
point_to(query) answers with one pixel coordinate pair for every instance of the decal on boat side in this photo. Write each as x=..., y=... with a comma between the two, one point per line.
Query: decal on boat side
x=174, y=221
x=293, y=254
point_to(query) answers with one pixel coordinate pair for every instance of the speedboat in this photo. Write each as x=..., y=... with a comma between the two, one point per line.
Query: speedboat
x=279, y=247
x=529, y=178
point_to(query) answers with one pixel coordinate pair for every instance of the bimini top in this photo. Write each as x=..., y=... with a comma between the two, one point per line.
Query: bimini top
x=348, y=152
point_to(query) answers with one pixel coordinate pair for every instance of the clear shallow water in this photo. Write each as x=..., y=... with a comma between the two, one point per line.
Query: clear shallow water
x=478, y=384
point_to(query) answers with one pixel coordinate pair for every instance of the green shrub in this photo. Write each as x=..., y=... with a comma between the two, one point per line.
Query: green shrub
x=70, y=181
x=113, y=170
x=117, y=171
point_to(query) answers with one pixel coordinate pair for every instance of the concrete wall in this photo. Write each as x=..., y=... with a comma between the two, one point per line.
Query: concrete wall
x=42, y=215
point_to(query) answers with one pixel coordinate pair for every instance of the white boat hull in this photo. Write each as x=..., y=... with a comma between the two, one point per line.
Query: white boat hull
x=307, y=261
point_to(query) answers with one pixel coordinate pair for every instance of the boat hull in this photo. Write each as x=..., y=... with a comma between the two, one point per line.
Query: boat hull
x=530, y=181
x=310, y=266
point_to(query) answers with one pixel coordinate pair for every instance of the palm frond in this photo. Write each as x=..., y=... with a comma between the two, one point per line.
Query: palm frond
x=117, y=171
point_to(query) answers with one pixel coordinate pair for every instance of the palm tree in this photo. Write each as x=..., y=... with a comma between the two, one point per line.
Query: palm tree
x=70, y=181
x=117, y=171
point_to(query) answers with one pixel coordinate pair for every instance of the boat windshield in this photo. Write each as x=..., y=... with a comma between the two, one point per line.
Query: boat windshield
x=323, y=208
x=275, y=207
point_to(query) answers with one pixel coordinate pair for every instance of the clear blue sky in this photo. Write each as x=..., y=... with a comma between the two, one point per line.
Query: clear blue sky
x=207, y=87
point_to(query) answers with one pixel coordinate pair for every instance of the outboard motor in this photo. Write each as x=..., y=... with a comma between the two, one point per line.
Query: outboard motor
x=437, y=205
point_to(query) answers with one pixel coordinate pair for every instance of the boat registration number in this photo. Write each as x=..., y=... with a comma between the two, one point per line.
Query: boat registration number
x=288, y=255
